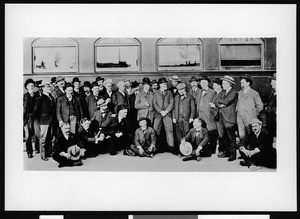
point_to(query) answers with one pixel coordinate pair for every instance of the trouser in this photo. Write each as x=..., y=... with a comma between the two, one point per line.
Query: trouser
x=182, y=127
x=168, y=126
x=266, y=159
x=228, y=129
x=73, y=124
x=271, y=124
x=243, y=122
x=45, y=140
x=63, y=161
x=145, y=148
x=223, y=139
x=212, y=129
x=212, y=141
x=36, y=135
x=29, y=133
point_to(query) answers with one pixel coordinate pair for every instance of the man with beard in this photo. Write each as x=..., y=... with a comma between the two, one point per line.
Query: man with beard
x=102, y=89
x=60, y=88
x=76, y=85
x=195, y=91
x=91, y=100
x=128, y=87
x=85, y=93
x=120, y=97
x=154, y=86
x=109, y=93
x=175, y=81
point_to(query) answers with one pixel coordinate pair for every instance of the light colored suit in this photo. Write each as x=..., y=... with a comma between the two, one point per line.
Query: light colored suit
x=143, y=110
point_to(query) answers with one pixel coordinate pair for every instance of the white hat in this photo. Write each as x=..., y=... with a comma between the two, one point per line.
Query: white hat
x=108, y=81
x=45, y=82
x=74, y=151
x=228, y=78
x=175, y=78
x=186, y=148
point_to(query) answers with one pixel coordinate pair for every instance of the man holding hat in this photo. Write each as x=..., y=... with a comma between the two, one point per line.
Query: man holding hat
x=44, y=112
x=203, y=110
x=227, y=118
x=163, y=103
x=76, y=85
x=248, y=107
x=183, y=113
x=257, y=149
x=175, y=80
x=144, y=140
x=271, y=109
x=60, y=88
x=29, y=101
x=91, y=100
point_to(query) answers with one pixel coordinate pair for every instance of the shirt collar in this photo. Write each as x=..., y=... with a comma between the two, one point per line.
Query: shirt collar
x=246, y=90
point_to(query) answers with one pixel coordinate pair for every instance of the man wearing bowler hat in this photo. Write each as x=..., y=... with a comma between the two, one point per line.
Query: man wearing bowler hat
x=60, y=88
x=163, y=103
x=86, y=91
x=132, y=111
x=257, y=149
x=195, y=91
x=154, y=85
x=76, y=85
x=183, y=113
x=248, y=107
x=203, y=111
x=102, y=89
x=91, y=100
x=271, y=108
x=175, y=80
x=227, y=118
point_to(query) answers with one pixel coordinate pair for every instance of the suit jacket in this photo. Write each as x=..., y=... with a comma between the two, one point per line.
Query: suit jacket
x=44, y=110
x=62, y=144
x=263, y=142
x=250, y=104
x=215, y=111
x=203, y=106
x=57, y=93
x=189, y=109
x=85, y=137
x=228, y=111
x=203, y=138
x=119, y=99
x=167, y=101
x=63, y=110
x=196, y=94
x=139, y=104
x=272, y=104
x=98, y=122
x=91, y=104
x=115, y=126
x=28, y=106
x=145, y=139
x=174, y=91
x=110, y=105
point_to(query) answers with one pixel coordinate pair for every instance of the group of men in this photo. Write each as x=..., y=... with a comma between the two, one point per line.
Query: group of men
x=70, y=122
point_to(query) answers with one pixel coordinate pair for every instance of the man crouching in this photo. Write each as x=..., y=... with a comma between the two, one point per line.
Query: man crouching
x=144, y=140
x=67, y=153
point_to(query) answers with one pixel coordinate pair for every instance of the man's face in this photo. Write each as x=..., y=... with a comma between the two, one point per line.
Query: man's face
x=76, y=85
x=196, y=124
x=163, y=86
x=86, y=89
x=216, y=87
x=103, y=108
x=244, y=84
x=65, y=129
x=194, y=84
x=95, y=90
x=182, y=92
x=146, y=87
x=69, y=91
x=174, y=83
x=61, y=84
x=136, y=90
x=30, y=88
x=46, y=88
x=121, y=86
x=143, y=124
x=204, y=84
x=108, y=87
x=154, y=87
x=225, y=85
x=123, y=113
x=100, y=83
x=256, y=128
x=273, y=84
x=127, y=84
x=86, y=124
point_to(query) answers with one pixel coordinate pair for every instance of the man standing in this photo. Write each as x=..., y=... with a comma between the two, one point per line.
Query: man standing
x=85, y=93
x=175, y=81
x=102, y=89
x=154, y=86
x=195, y=91
x=91, y=100
x=68, y=109
x=108, y=83
x=76, y=85
x=60, y=88
x=120, y=97
x=227, y=117
x=271, y=109
x=183, y=113
x=203, y=110
x=163, y=103
x=257, y=149
x=128, y=89
x=44, y=112
x=248, y=107
x=132, y=112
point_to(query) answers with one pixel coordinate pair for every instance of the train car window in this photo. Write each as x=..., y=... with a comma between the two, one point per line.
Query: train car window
x=179, y=54
x=54, y=55
x=241, y=53
x=117, y=54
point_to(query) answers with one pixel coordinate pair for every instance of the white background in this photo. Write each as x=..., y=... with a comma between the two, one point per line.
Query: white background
x=109, y=191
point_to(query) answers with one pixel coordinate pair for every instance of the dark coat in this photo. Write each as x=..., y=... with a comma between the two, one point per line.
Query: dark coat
x=62, y=144
x=119, y=99
x=215, y=111
x=91, y=105
x=159, y=101
x=114, y=126
x=57, y=93
x=174, y=91
x=63, y=111
x=145, y=139
x=263, y=142
x=98, y=122
x=203, y=138
x=196, y=94
x=188, y=105
x=28, y=106
x=44, y=110
x=85, y=137
x=228, y=111
x=110, y=105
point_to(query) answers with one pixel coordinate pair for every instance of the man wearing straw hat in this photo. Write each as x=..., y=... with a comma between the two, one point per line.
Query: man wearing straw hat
x=175, y=81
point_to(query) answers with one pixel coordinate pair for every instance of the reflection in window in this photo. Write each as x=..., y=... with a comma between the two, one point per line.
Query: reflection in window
x=117, y=54
x=241, y=52
x=179, y=54
x=55, y=55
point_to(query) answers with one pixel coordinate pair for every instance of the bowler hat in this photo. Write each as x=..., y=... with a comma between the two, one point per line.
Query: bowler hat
x=68, y=84
x=175, y=78
x=146, y=81
x=135, y=84
x=194, y=79
x=217, y=81
x=38, y=83
x=28, y=81
x=59, y=78
x=228, y=78
x=94, y=84
x=181, y=86
x=86, y=84
x=255, y=120
x=74, y=152
x=205, y=78
x=121, y=107
x=186, y=148
x=76, y=79
x=99, y=78
x=162, y=80
x=154, y=82
x=247, y=77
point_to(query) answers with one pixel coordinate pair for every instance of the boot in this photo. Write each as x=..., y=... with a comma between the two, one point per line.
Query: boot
x=188, y=157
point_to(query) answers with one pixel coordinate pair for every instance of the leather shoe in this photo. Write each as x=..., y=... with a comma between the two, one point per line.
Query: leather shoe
x=243, y=163
x=198, y=158
x=30, y=156
x=78, y=163
x=222, y=154
x=231, y=158
x=44, y=158
x=188, y=157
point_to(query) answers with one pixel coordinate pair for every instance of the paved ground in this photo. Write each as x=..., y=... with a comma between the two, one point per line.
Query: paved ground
x=159, y=163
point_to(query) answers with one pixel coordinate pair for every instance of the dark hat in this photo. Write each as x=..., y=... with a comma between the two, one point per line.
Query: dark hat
x=141, y=119
x=59, y=78
x=228, y=78
x=38, y=83
x=154, y=82
x=194, y=79
x=76, y=79
x=181, y=86
x=68, y=84
x=217, y=81
x=94, y=84
x=146, y=81
x=162, y=80
x=99, y=78
x=86, y=84
x=53, y=80
x=205, y=78
x=121, y=107
x=28, y=81
x=135, y=84
x=247, y=77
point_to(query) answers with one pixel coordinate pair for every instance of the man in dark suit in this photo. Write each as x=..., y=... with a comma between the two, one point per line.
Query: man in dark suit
x=91, y=100
x=227, y=117
x=132, y=112
x=102, y=89
x=76, y=86
x=257, y=149
x=60, y=88
x=67, y=152
x=69, y=109
x=86, y=91
x=108, y=83
x=44, y=112
x=183, y=113
x=271, y=109
x=144, y=140
x=163, y=103
x=175, y=81
x=120, y=97
x=198, y=137
x=29, y=101
x=195, y=91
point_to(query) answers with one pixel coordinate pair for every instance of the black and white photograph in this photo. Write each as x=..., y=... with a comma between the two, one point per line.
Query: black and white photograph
x=150, y=107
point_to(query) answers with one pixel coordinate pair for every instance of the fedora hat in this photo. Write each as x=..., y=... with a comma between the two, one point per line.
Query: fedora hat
x=228, y=78
x=154, y=82
x=247, y=77
x=76, y=79
x=205, y=78
x=146, y=81
x=74, y=151
x=162, y=80
x=175, y=78
x=28, y=81
x=135, y=84
x=86, y=84
x=181, y=86
x=217, y=81
x=194, y=79
x=59, y=78
x=186, y=148
x=99, y=78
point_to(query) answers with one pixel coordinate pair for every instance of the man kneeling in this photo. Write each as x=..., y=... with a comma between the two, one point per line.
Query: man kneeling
x=144, y=140
x=67, y=153
x=195, y=142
